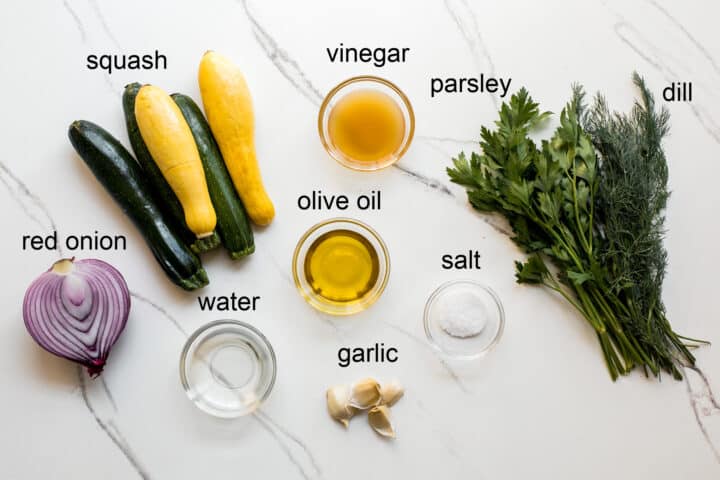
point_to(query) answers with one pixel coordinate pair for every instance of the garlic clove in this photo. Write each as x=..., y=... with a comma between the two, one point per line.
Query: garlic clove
x=390, y=393
x=379, y=418
x=338, y=405
x=365, y=394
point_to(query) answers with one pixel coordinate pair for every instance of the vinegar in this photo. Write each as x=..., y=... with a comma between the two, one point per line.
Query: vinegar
x=367, y=125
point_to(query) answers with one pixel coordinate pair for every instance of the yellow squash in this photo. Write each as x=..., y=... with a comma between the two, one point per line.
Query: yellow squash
x=171, y=144
x=229, y=110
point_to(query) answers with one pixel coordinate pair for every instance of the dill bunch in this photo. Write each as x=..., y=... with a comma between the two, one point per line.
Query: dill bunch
x=631, y=203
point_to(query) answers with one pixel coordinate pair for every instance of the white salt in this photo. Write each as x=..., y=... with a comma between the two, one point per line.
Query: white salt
x=462, y=312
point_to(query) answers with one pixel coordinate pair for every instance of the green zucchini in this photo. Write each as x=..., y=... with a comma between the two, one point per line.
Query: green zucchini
x=233, y=223
x=164, y=195
x=126, y=182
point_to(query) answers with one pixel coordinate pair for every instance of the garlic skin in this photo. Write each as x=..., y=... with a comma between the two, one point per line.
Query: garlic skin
x=338, y=404
x=390, y=393
x=365, y=394
x=379, y=419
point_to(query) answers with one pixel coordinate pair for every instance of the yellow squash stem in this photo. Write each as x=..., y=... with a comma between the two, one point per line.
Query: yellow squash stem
x=172, y=146
x=229, y=111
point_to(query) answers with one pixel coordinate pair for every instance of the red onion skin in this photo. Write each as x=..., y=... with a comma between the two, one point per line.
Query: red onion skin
x=77, y=310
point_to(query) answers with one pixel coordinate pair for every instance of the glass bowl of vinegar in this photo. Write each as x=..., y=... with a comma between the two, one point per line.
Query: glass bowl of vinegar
x=341, y=266
x=366, y=123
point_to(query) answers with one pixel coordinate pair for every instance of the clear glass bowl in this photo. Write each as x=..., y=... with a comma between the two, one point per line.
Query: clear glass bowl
x=357, y=83
x=318, y=301
x=227, y=368
x=483, y=308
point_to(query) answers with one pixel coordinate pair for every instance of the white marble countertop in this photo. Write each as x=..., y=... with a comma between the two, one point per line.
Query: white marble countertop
x=539, y=406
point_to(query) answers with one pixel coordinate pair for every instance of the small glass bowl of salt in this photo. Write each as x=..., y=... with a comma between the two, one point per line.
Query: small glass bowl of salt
x=463, y=319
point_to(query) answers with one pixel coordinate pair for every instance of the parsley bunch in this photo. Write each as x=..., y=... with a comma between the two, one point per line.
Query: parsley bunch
x=587, y=206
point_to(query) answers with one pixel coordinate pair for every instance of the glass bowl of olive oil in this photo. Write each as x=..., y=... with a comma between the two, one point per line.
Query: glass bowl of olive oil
x=366, y=123
x=341, y=266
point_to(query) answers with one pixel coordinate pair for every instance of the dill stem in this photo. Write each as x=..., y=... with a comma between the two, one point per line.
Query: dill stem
x=614, y=344
x=610, y=356
x=675, y=338
x=612, y=362
x=695, y=340
x=631, y=343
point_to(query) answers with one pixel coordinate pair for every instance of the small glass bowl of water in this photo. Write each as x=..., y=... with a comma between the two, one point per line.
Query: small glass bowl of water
x=228, y=368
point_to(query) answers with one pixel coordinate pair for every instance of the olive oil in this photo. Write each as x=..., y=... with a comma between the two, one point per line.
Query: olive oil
x=367, y=125
x=341, y=266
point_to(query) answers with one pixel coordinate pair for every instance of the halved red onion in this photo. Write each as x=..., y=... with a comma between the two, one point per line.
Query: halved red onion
x=77, y=310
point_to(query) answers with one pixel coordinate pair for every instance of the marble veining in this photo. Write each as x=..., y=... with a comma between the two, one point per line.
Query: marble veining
x=102, y=407
x=655, y=51
x=31, y=204
x=467, y=24
x=705, y=406
x=76, y=19
x=282, y=60
x=294, y=448
x=292, y=71
x=96, y=394
x=106, y=28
